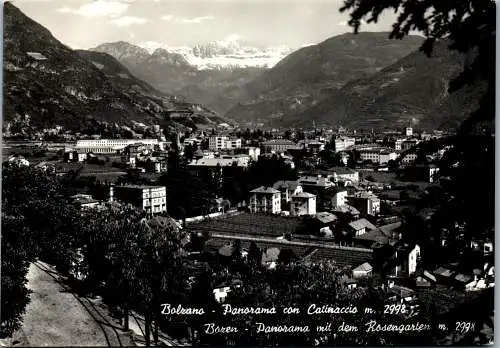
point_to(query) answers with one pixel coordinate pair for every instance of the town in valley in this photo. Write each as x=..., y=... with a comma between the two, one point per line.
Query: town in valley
x=330, y=194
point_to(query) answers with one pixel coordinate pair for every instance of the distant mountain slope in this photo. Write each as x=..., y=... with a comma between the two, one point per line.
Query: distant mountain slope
x=46, y=83
x=306, y=76
x=414, y=88
x=171, y=73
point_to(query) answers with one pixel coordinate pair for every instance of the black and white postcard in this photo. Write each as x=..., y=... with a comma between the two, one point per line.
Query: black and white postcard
x=248, y=173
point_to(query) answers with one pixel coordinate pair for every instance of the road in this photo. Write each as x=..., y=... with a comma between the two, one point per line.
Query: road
x=57, y=317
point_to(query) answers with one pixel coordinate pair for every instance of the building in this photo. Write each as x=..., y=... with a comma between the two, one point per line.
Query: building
x=339, y=198
x=278, y=145
x=409, y=144
x=288, y=188
x=408, y=158
x=217, y=143
x=253, y=152
x=152, y=199
x=303, y=203
x=265, y=200
x=114, y=145
x=398, y=145
x=403, y=262
x=386, y=156
x=221, y=292
x=325, y=222
x=74, y=156
x=361, y=226
x=314, y=183
x=84, y=201
x=366, y=202
x=155, y=164
x=191, y=141
x=409, y=131
x=425, y=279
x=342, y=143
x=198, y=154
x=377, y=154
x=364, y=270
x=224, y=161
x=422, y=172
x=344, y=174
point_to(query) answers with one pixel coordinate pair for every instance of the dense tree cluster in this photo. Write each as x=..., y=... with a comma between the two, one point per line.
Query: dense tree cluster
x=116, y=252
x=467, y=168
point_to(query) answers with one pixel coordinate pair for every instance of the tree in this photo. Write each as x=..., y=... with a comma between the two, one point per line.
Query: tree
x=469, y=27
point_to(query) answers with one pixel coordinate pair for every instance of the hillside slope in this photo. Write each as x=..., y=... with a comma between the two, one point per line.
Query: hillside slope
x=47, y=84
x=414, y=88
x=308, y=75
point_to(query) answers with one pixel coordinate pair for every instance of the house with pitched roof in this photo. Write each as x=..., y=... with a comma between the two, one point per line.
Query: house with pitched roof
x=288, y=188
x=361, y=226
x=363, y=270
x=303, y=203
x=265, y=200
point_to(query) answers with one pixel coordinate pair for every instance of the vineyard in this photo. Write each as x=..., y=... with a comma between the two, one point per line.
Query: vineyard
x=248, y=224
x=341, y=257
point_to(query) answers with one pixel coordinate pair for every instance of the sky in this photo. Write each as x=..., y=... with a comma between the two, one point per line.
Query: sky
x=83, y=24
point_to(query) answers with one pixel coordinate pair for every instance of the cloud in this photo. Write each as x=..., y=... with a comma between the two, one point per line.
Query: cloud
x=127, y=21
x=181, y=20
x=98, y=8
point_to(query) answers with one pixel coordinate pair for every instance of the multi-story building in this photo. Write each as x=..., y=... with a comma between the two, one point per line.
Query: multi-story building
x=152, y=199
x=288, y=189
x=366, y=202
x=386, y=156
x=224, y=161
x=114, y=145
x=265, y=200
x=376, y=154
x=278, y=145
x=422, y=172
x=191, y=141
x=372, y=155
x=314, y=183
x=398, y=145
x=303, y=203
x=408, y=159
x=342, y=143
x=339, y=198
x=253, y=152
x=223, y=143
x=344, y=174
x=409, y=144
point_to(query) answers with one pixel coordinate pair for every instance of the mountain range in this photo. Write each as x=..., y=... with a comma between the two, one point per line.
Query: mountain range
x=223, y=54
x=171, y=72
x=365, y=80
x=46, y=83
x=251, y=93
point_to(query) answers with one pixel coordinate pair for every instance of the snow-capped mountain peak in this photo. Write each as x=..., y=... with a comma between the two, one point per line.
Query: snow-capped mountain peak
x=227, y=53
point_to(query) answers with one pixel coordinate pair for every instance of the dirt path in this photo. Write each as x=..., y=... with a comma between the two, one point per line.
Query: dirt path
x=57, y=317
